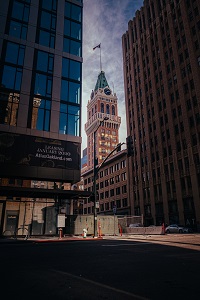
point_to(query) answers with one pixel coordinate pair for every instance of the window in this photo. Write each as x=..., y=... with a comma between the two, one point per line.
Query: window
x=12, y=77
x=69, y=119
x=47, y=25
x=12, y=70
x=107, y=109
x=72, y=29
x=41, y=114
x=118, y=190
x=73, y=12
x=124, y=189
x=113, y=110
x=9, y=103
x=17, y=25
x=112, y=193
x=71, y=69
x=124, y=202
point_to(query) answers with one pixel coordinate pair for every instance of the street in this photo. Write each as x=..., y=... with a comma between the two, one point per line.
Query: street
x=99, y=269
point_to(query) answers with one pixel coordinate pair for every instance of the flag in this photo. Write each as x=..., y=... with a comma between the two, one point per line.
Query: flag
x=98, y=46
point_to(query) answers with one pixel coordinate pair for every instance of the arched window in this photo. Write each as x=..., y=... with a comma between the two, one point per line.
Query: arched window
x=102, y=107
x=113, y=110
x=107, y=109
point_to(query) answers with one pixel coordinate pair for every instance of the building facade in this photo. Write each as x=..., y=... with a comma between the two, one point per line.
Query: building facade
x=102, y=129
x=161, y=56
x=111, y=187
x=102, y=105
x=40, y=96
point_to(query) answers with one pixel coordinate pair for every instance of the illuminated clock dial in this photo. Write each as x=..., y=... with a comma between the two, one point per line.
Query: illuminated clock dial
x=107, y=91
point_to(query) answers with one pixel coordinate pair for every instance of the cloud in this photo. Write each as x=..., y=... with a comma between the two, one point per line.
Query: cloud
x=105, y=21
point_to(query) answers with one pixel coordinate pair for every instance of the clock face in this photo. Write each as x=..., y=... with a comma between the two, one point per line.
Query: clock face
x=107, y=91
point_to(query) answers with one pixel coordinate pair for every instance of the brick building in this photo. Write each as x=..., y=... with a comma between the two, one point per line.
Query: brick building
x=161, y=56
x=111, y=186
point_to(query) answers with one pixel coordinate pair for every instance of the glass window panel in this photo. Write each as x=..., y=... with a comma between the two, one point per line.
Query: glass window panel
x=65, y=67
x=76, y=13
x=67, y=26
x=75, y=70
x=47, y=120
x=66, y=44
x=26, y=13
x=53, y=24
x=73, y=125
x=51, y=62
x=74, y=92
x=10, y=79
x=11, y=53
x=9, y=103
x=49, y=4
x=63, y=107
x=45, y=20
x=63, y=122
x=67, y=9
x=64, y=90
x=48, y=104
x=18, y=79
x=76, y=30
x=49, y=86
x=46, y=38
x=24, y=32
x=20, y=11
x=21, y=55
x=40, y=119
x=52, y=41
x=75, y=48
x=40, y=84
x=40, y=115
x=74, y=110
x=42, y=61
x=18, y=30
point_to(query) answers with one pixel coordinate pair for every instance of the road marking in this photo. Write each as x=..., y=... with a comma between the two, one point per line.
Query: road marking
x=101, y=285
x=130, y=244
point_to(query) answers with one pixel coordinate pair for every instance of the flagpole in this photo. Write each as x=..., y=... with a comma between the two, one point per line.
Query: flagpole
x=100, y=59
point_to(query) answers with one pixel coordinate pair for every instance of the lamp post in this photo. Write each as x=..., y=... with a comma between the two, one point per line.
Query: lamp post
x=94, y=179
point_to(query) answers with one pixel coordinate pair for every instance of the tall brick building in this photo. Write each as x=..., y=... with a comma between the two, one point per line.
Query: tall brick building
x=161, y=55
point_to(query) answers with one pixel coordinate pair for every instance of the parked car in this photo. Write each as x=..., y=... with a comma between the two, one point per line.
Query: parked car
x=135, y=225
x=174, y=228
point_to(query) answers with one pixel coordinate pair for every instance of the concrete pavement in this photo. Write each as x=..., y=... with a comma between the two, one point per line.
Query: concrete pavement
x=181, y=240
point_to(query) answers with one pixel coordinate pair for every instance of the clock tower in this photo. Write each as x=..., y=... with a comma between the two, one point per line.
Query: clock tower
x=102, y=105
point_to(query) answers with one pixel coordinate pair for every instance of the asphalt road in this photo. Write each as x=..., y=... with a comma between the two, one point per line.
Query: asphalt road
x=99, y=269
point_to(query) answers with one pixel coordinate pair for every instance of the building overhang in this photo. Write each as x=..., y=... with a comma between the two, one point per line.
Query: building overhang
x=12, y=191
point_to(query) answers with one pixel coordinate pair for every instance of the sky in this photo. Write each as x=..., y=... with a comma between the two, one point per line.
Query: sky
x=104, y=22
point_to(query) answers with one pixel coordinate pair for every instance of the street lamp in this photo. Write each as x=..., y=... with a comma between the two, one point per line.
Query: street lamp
x=94, y=179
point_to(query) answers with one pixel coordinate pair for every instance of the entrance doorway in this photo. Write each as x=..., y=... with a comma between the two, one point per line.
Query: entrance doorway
x=11, y=222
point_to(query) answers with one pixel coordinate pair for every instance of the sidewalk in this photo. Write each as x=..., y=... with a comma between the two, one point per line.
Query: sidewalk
x=193, y=239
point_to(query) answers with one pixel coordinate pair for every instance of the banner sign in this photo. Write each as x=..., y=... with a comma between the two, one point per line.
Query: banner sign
x=37, y=151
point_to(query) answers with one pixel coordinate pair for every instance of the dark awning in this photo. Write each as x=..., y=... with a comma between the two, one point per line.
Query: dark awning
x=12, y=191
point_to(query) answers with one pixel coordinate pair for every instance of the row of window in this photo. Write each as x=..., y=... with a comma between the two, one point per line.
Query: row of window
x=112, y=192
x=42, y=83
x=17, y=24
x=120, y=203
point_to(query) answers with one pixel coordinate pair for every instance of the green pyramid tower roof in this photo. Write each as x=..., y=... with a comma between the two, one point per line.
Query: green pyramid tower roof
x=101, y=81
